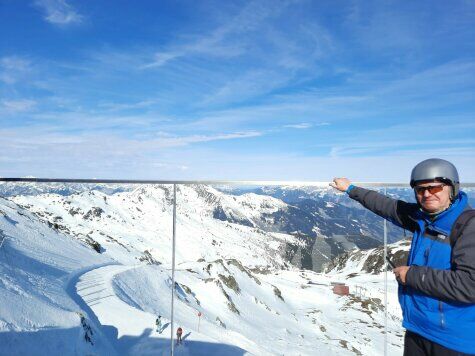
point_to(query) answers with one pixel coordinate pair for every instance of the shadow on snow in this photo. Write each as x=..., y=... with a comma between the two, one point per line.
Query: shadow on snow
x=57, y=341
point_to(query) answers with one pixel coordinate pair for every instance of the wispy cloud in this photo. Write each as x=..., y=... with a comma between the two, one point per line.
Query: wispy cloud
x=266, y=57
x=397, y=145
x=59, y=12
x=188, y=140
x=127, y=106
x=249, y=85
x=15, y=106
x=161, y=59
x=303, y=125
x=47, y=151
x=41, y=136
x=13, y=68
x=214, y=45
x=234, y=37
x=306, y=125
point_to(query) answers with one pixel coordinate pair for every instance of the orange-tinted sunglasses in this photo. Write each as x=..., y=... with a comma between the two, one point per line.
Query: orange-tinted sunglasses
x=433, y=189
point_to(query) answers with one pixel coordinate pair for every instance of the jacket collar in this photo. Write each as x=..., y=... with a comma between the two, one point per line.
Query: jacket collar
x=443, y=221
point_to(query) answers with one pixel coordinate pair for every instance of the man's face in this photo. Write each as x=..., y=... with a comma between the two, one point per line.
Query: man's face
x=433, y=196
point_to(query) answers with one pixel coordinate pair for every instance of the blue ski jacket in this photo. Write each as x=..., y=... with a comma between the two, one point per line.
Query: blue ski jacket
x=438, y=299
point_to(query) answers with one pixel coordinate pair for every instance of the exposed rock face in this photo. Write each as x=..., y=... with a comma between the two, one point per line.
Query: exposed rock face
x=220, y=323
x=278, y=293
x=313, y=252
x=95, y=212
x=148, y=258
x=93, y=243
x=230, y=282
x=373, y=259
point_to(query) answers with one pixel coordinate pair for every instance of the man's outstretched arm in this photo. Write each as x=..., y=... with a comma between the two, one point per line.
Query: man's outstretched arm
x=397, y=211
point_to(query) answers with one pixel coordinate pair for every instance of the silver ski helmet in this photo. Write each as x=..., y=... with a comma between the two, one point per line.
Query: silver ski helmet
x=439, y=169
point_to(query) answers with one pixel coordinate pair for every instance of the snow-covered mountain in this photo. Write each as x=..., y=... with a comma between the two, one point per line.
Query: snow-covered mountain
x=87, y=273
x=332, y=212
x=8, y=189
x=128, y=224
x=321, y=229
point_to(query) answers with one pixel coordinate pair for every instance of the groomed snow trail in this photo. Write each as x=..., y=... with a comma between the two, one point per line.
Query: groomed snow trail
x=130, y=330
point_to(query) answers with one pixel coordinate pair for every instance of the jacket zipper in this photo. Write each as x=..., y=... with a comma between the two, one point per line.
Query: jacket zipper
x=404, y=302
x=441, y=314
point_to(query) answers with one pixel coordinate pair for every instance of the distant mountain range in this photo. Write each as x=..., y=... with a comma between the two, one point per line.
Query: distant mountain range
x=324, y=224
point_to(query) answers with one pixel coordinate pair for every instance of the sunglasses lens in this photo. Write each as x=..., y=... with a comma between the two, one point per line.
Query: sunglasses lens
x=433, y=189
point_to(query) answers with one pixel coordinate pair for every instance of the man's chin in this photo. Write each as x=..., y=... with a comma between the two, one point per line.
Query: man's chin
x=431, y=208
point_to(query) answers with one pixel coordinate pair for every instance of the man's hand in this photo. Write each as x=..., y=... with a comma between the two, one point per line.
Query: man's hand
x=340, y=184
x=400, y=273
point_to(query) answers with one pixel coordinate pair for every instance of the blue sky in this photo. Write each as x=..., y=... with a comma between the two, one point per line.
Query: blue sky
x=298, y=90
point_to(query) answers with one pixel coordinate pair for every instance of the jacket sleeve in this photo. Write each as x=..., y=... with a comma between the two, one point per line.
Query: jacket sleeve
x=457, y=284
x=397, y=211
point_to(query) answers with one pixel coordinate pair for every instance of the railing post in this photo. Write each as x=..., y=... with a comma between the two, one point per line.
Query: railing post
x=385, y=227
x=172, y=328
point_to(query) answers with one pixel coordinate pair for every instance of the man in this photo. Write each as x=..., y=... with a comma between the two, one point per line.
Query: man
x=158, y=323
x=437, y=287
x=179, y=332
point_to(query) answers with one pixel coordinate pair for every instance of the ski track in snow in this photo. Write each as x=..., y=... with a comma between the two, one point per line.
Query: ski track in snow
x=94, y=292
x=74, y=285
x=92, y=288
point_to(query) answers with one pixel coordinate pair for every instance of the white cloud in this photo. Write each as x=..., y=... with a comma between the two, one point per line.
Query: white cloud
x=13, y=106
x=39, y=152
x=303, y=125
x=13, y=68
x=41, y=137
x=247, y=85
x=59, y=12
x=169, y=166
x=229, y=39
x=398, y=146
x=47, y=152
x=126, y=106
x=187, y=140
x=161, y=58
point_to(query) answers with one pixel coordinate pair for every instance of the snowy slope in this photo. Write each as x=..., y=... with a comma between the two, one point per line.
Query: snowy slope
x=37, y=265
x=128, y=224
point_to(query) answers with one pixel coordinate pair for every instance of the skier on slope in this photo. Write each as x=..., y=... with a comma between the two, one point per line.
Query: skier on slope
x=179, y=332
x=158, y=323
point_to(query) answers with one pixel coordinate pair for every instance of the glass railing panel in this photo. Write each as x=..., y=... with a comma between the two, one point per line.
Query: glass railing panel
x=85, y=268
x=398, y=245
x=206, y=293
x=306, y=260
x=471, y=195
x=357, y=273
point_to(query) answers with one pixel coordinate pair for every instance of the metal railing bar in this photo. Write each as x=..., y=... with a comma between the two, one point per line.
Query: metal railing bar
x=385, y=240
x=211, y=182
x=173, y=272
